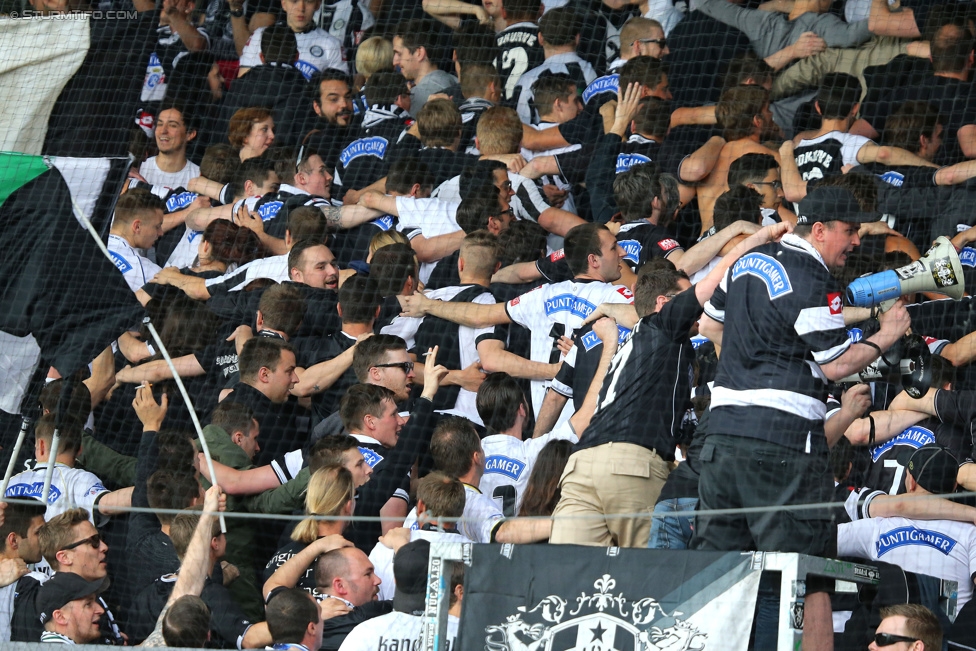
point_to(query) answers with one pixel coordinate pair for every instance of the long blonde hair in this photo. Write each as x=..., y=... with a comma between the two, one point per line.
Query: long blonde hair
x=330, y=489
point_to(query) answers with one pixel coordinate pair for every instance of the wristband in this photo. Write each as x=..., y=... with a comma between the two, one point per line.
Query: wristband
x=149, y=347
x=872, y=345
x=237, y=13
x=871, y=434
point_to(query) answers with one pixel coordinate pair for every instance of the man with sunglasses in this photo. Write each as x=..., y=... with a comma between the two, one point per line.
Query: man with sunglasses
x=911, y=627
x=638, y=37
x=70, y=544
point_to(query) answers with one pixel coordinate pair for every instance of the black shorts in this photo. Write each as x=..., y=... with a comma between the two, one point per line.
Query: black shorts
x=741, y=473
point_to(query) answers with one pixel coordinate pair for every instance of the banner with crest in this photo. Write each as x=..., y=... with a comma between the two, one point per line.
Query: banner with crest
x=570, y=598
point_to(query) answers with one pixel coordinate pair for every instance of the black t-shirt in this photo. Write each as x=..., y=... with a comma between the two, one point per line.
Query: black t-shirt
x=577, y=370
x=240, y=307
x=637, y=151
x=554, y=267
x=390, y=473
x=315, y=350
x=444, y=164
x=519, y=52
x=646, y=392
x=335, y=630
x=307, y=580
x=367, y=157
x=228, y=623
x=643, y=241
x=445, y=272
x=782, y=311
x=284, y=426
x=887, y=470
x=327, y=139
x=353, y=244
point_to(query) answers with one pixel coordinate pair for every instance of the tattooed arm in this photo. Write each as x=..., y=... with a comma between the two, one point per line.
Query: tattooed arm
x=349, y=216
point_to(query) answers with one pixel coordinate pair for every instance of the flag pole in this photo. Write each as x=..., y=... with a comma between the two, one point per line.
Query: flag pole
x=28, y=409
x=169, y=361
x=67, y=388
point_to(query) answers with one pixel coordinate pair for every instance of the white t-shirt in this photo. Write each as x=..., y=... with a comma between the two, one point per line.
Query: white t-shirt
x=172, y=180
x=939, y=548
x=509, y=462
x=274, y=268
x=565, y=305
x=136, y=268
x=382, y=557
x=427, y=217
x=480, y=518
x=317, y=50
x=71, y=488
x=186, y=251
x=394, y=630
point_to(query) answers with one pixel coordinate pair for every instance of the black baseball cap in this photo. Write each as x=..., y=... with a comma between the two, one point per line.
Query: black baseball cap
x=832, y=204
x=62, y=588
x=933, y=467
x=410, y=572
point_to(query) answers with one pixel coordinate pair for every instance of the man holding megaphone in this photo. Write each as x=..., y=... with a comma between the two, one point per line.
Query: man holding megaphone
x=779, y=316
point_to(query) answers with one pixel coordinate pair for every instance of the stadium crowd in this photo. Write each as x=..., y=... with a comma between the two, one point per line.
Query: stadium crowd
x=450, y=268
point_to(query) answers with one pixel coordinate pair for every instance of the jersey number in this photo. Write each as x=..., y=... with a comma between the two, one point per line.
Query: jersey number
x=514, y=63
x=507, y=495
x=899, y=475
x=616, y=366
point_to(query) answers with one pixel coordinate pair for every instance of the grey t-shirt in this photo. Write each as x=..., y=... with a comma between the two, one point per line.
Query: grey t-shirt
x=771, y=31
x=435, y=82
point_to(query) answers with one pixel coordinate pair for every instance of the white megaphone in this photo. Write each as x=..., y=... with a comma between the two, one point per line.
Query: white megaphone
x=907, y=361
x=937, y=271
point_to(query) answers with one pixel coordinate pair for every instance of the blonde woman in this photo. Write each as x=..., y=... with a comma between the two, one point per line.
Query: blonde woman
x=331, y=492
x=374, y=54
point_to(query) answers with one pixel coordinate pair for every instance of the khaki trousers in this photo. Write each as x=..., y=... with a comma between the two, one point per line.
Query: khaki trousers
x=614, y=478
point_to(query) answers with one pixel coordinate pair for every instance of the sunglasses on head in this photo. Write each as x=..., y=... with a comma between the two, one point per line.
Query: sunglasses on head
x=94, y=541
x=406, y=367
x=887, y=639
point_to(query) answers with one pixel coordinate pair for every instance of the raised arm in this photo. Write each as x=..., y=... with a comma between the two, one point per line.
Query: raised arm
x=196, y=562
x=853, y=403
x=291, y=571
x=606, y=329
x=699, y=164
x=702, y=253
